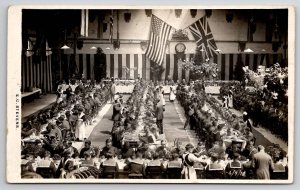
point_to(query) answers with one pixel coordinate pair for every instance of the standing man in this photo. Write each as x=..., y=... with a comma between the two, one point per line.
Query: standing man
x=159, y=114
x=112, y=91
x=262, y=163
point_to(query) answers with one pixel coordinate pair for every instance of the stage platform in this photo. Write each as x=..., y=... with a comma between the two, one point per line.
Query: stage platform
x=36, y=105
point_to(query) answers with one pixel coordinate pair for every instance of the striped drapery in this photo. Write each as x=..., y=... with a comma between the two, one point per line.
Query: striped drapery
x=227, y=62
x=36, y=73
x=139, y=64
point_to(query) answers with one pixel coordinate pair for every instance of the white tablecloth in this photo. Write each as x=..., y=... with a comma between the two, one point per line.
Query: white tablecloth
x=124, y=89
x=212, y=89
x=167, y=89
x=128, y=89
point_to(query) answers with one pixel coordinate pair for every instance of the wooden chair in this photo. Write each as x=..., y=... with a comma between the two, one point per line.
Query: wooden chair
x=174, y=172
x=215, y=174
x=136, y=171
x=45, y=172
x=135, y=176
x=279, y=173
x=109, y=172
x=154, y=172
x=200, y=173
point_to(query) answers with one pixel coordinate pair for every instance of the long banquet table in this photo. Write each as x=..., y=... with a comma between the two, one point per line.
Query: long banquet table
x=122, y=89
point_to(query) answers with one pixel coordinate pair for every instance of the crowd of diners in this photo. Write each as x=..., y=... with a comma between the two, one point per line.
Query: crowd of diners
x=137, y=147
x=267, y=106
x=229, y=138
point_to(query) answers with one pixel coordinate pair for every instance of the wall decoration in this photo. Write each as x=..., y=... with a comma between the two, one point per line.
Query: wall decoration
x=180, y=49
x=180, y=35
x=116, y=44
x=79, y=44
x=205, y=43
x=144, y=45
x=276, y=46
x=159, y=35
x=229, y=17
x=148, y=12
x=208, y=13
x=178, y=12
x=193, y=12
x=127, y=16
x=242, y=46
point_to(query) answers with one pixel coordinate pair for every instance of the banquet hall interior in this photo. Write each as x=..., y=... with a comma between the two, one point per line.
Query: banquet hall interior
x=154, y=94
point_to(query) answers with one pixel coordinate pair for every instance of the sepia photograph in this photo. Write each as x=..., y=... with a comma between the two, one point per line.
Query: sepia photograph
x=181, y=94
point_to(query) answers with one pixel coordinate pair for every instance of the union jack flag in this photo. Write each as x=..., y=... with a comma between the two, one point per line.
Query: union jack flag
x=204, y=38
x=159, y=35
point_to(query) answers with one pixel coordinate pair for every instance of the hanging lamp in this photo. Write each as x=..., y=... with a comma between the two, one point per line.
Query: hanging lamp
x=65, y=44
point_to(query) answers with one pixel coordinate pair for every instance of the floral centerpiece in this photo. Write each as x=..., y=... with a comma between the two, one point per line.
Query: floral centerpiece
x=205, y=71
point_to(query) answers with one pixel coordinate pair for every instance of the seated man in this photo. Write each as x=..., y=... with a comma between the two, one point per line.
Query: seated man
x=65, y=126
x=136, y=165
x=70, y=149
x=249, y=150
x=231, y=150
x=36, y=149
x=215, y=169
x=53, y=130
x=120, y=162
x=155, y=167
x=163, y=149
x=175, y=162
x=87, y=148
x=109, y=148
x=155, y=161
x=248, y=135
x=150, y=136
x=214, y=164
x=27, y=129
x=29, y=163
x=109, y=161
x=234, y=169
x=47, y=162
x=218, y=148
x=28, y=171
x=200, y=150
x=88, y=161
x=280, y=169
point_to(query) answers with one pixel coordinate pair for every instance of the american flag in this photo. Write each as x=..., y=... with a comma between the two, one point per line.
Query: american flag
x=159, y=34
x=204, y=38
